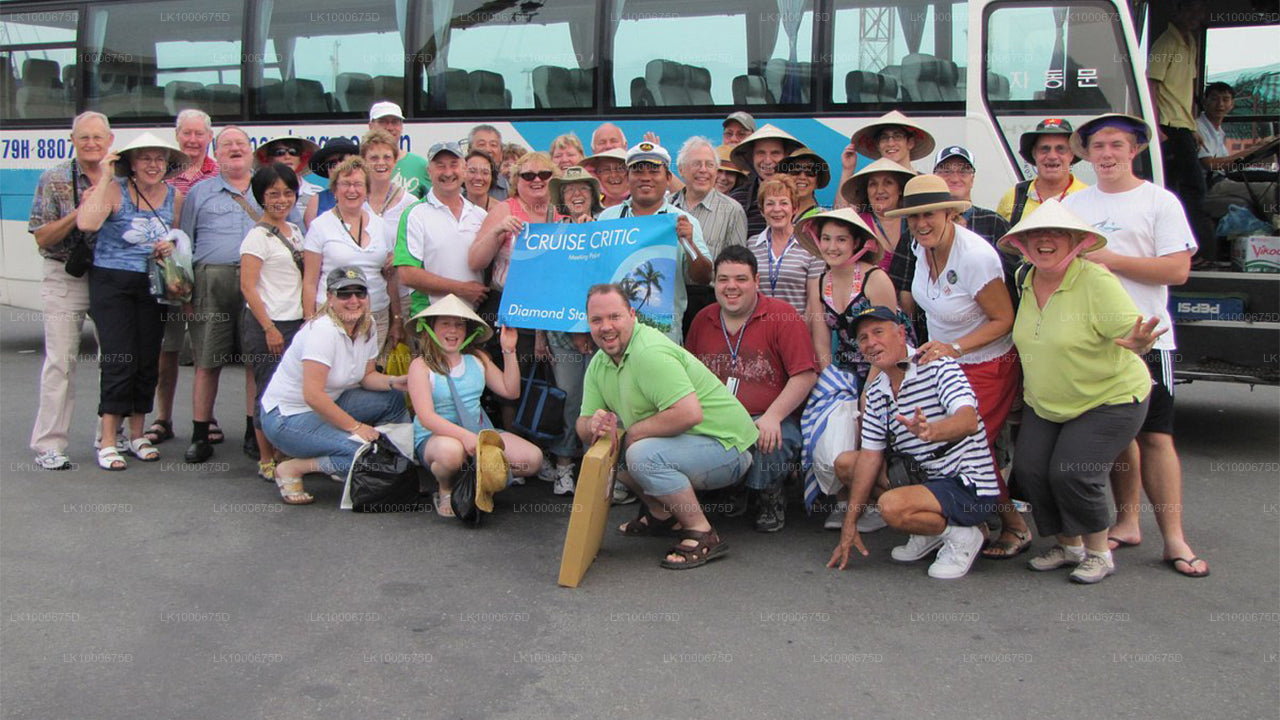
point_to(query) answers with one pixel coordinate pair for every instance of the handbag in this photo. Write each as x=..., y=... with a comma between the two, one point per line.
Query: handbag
x=80, y=255
x=463, y=497
x=381, y=479
x=540, y=415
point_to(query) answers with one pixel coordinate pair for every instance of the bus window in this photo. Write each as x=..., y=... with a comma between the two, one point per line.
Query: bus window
x=139, y=68
x=38, y=65
x=1248, y=59
x=896, y=54
x=520, y=56
x=329, y=56
x=712, y=53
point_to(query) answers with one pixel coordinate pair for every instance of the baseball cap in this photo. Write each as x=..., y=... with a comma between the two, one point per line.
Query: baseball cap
x=951, y=151
x=743, y=119
x=648, y=152
x=383, y=109
x=449, y=147
x=345, y=277
x=876, y=312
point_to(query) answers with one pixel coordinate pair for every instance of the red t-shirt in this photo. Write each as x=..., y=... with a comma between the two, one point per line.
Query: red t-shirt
x=775, y=346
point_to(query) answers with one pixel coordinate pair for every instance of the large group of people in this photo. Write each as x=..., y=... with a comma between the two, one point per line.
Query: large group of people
x=1040, y=325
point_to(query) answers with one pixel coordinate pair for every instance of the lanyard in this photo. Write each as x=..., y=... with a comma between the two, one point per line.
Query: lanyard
x=774, y=272
x=879, y=227
x=742, y=332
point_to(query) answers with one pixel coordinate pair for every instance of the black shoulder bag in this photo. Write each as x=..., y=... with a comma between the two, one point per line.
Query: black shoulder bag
x=80, y=254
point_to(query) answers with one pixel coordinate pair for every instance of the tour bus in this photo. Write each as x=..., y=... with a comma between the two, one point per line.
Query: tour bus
x=976, y=73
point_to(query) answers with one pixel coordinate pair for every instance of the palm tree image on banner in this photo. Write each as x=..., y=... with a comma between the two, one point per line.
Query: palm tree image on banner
x=644, y=288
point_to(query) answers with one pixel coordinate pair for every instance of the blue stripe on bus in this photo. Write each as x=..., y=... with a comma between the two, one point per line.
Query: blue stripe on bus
x=19, y=187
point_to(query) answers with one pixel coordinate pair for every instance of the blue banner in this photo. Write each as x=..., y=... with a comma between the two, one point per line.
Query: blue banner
x=553, y=266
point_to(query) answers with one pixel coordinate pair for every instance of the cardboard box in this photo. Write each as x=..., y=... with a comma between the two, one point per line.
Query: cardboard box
x=1258, y=253
x=1206, y=306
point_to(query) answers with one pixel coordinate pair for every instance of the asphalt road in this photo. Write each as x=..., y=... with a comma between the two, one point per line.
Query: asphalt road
x=170, y=591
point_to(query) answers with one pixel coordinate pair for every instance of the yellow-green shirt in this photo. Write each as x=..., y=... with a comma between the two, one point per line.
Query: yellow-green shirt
x=654, y=373
x=1005, y=208
x=1070, y=361
x=1173, y=62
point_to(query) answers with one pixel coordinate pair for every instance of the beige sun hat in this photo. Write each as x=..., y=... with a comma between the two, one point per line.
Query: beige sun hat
x=1132, y=123
x=741, y=153
x=726, y=160
x=864, y=140
x=492, y=468
x=854, y=190
x=924, y=193
x=452, y=306
x=804, y=153
x=146, y=141
x=1053, y=215
x=807, y=228
x=619, y=154
x=575, y=174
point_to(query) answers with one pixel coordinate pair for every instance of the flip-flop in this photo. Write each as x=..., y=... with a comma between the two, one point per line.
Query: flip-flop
x=1173, y=563
x=1120, y=543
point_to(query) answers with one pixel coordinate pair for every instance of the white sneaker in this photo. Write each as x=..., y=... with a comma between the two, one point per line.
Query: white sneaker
x=960, y=545
x=564, y=480
x=871, y=520
x=917, y=547
x=835, y=521
x=547, y=473
x=514, y=480
x=622, y=495
x=53, y=460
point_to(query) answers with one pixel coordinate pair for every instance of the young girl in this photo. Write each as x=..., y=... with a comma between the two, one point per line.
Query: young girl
x=442, y=439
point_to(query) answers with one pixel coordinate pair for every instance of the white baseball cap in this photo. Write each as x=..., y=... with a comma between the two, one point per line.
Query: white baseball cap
x=383, y=109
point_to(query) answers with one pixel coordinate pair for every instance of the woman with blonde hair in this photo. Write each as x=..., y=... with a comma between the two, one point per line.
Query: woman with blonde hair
x=567, y=151
x=786, y=269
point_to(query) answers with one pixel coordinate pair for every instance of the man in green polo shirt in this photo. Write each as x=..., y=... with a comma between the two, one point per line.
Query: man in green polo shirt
x=681, y=427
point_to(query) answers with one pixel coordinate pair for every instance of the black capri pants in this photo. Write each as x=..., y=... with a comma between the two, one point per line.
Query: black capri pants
x=130, y=330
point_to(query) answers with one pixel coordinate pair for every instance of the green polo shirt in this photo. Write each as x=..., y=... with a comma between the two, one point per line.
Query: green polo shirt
x=653, y=375
x=1070, y=361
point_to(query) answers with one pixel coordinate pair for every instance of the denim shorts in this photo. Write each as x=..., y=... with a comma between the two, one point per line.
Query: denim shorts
x=667, y=465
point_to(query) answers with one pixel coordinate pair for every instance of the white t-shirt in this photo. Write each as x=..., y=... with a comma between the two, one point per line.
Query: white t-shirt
x=1147, y=221
x=280, y=281
x=950, y=305
x=328, y=237
x=440, y=241
x=1215, y=139
x=391, y=218
x=327, y=343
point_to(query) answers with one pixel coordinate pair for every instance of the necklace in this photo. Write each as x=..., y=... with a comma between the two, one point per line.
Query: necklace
x=358, y=235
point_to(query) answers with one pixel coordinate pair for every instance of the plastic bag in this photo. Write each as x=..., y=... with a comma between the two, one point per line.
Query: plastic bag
x=172, y=278
x=840, y=435
x=381, y=479
x=1239, y=222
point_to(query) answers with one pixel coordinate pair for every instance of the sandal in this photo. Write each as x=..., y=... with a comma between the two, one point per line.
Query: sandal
x=215, y=433
x=443, y=504
x=142, y=449
x=646, y=525
x=291, y=491
x=1004, y=550
x=159, y=431
x=109, y=458
x=267, y=470
x=708, y=546
x=1191, y=571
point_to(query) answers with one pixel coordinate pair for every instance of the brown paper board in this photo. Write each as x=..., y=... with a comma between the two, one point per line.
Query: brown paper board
x=591, y=500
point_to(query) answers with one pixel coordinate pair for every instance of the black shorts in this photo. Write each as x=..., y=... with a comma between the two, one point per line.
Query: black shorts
x=1160, y=410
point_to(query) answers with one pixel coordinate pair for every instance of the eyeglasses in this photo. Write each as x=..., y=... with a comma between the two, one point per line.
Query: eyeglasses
x=945, y=172
x=809, y=170
x=282, y=151
x=357, y=292
x=543, y=175
x=615, y=169
x=350, y=185
x=892, y=135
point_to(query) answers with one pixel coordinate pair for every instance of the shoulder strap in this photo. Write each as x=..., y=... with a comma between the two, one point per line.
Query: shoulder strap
x=257, y=216
x=1020, y=276
x=151, y=207
x=75, y=185
x=1020, y=192
x=465, y=418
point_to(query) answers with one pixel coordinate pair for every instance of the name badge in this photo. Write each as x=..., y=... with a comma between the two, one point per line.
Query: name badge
x=732, y=384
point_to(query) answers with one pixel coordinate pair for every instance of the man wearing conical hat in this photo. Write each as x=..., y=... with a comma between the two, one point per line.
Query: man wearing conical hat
x=760, y=155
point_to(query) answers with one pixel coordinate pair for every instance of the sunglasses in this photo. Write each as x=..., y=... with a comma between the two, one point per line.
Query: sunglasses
x=282, y=151
x=543, y=175
x=803, y=170
x=345, y=293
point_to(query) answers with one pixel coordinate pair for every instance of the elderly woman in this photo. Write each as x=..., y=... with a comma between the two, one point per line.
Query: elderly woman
x=873, y=191
x=576, y=195
x=335, y=150
x=1081, y=339
x=810, y=173
x=959, y=284
x=482, y=175
x=511, y=152
x=326, y=388
x=133, y=211
x=271, y=283
x=567, y=151
x=729, y=176
x=294, y=153
x=610, y=168
x=786, y=268
x=351, y=234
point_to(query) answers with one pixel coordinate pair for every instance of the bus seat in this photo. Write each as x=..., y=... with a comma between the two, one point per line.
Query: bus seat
x=920, y=77
x=388, y=87
x=583, y=86
x=949, y=80
x=8, y=88
x=488, y=90
x=552, y=87
x=182, y=94
x=640, y=95
x=997, y=86
x=271, y=98
x=303, y=95
x=34, y=101
x=354, y=91
x=70, y=81
x=117, y=105
x=751, y=90
x=699, y=85
x=889, y=88
x=223, y=99
x=449, y=90
x=775, y=72
x=665, y=80
x=863, y=87
x=38, y=72
x=151, y=100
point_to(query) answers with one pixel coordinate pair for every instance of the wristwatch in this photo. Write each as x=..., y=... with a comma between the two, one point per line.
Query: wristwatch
x=956, y=346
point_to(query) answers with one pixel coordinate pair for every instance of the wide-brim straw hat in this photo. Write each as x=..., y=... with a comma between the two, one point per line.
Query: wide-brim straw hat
x=146, y=141
x=741, y=153
x=492, y=468
x=807, y=228
x=1049, y=126
x=619, y=154
x=1053, y=215
x=309, y=149
x=864, y=140
x=452, y=306
x=1134, y=124
x=854, y=190
x=333, y=147
x=824, y=170
x=575, y=174
x=924, y=193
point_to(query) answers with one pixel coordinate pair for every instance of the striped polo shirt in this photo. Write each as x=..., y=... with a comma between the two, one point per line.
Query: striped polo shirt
x=940, y=389
x=785, y=277
x=723, y=221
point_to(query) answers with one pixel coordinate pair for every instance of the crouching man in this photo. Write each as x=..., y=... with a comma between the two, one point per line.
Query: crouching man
x=926, y=414
x=681, y=429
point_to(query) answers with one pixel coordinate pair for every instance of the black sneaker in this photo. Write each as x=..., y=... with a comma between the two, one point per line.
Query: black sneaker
x=773, y=511
x=250, y=446
x=737, y=499
x=199, y=451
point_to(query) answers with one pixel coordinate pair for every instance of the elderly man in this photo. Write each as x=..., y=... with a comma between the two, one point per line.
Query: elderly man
x=217, y=214
x=607, y=137
x=194, y=131
x=723, y=221
x=681, y=428
x=649, y=175
x=437, y=233
x=760, y=348
x=760, y=154
x=1149, y=248
x=738, y=127
x=928, y=416
x=411, y=170
x=66, y=297
x=954, y=164
x=488, y=140
x=1048, y=148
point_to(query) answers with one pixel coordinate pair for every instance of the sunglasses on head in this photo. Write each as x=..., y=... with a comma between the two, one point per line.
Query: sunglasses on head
x=282, y=151
x=345, y=293
x=543, y=175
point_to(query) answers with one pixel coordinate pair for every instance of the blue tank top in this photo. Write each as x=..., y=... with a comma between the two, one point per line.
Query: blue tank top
x=325, y=200
x=470, y=386
x=129, y=235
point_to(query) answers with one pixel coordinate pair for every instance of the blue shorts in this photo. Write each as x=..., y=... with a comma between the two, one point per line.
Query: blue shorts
x=960, y=505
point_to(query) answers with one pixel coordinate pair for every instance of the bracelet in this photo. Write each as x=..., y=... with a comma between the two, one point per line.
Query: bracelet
x=391, y=385
x=357, y=427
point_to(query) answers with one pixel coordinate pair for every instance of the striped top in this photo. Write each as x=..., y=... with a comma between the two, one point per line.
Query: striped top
x=940, y=389
x=724, y=223
x=785, y=277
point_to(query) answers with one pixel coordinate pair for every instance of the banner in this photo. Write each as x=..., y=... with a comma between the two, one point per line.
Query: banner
x=553, y=266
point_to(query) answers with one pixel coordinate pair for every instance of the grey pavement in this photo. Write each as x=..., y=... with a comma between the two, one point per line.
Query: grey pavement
x=171, y=591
